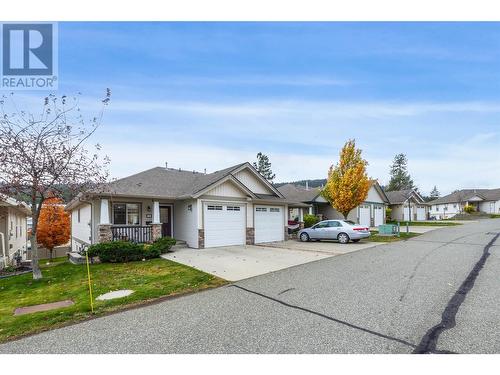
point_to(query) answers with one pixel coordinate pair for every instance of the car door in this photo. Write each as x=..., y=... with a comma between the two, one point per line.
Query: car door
x=333, y=229
x=318, y=230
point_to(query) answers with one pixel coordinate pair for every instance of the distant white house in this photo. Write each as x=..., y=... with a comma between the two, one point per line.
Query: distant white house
x=407, y=205
x=13, y=230
x=483, y=200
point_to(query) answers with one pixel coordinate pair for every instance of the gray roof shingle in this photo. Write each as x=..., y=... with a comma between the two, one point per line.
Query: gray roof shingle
x=299, y=193
x=166, y=183
x=400, y=196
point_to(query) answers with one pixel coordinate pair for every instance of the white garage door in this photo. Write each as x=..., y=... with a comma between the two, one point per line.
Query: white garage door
x=406, y=214
x=379, y=215
x=421, y=213
x=364, y=215
x=224, y=224
x=269, y=224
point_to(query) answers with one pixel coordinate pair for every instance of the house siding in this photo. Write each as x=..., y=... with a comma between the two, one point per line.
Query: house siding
x=14, y=227
x=81, y=232
x=248, y=179
x=186, y=221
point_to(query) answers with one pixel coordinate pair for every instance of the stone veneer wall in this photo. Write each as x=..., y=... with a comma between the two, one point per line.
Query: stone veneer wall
x=287, y=236
x=201, y=238
x=155, y=231
x=250, y=236
x=105, y=234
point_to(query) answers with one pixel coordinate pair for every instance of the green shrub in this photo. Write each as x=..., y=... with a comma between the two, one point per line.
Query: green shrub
x=495, y=216
x=163, y=244
x=310, y=220
x=122, y=252
x=469, y=209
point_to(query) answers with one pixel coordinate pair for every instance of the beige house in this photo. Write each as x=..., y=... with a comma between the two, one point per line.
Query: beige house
x=13, y=228
x=233, y=206
x=407, y=205
x=370, y=213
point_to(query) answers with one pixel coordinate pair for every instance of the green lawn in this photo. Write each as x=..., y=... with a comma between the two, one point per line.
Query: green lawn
x=62, y=280
x=375, y=237
x=426, y=223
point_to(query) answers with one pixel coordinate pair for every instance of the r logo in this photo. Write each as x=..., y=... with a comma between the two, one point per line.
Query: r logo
x=27, y=49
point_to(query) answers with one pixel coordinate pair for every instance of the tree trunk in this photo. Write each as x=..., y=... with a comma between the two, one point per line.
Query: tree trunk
x=345, y=215
x=37, y=274
x=50, y=254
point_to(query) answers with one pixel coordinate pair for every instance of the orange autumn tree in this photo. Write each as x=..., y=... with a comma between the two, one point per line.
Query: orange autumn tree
x=348, y=184
x=54, y=225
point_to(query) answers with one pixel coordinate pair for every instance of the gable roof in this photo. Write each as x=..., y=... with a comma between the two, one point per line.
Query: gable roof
x=465, y=194
x=401, y=196
x=299, y=193
x=6, y=201
x=169, y=183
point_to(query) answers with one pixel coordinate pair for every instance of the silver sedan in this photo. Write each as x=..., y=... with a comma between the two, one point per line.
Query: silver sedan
x=341, y=230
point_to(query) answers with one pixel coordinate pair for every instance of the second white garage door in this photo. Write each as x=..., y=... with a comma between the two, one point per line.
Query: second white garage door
x=224, y=224
x=420, y=213
x=364, y=215
x=379, y=215
x=269, y=224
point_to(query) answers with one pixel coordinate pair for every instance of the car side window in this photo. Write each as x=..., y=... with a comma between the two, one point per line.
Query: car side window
x=321, y=225
x=334, y=224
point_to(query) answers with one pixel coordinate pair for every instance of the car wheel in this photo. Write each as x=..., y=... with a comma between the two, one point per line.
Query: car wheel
x=355, y=240
x=343, y=238
x=304, y=237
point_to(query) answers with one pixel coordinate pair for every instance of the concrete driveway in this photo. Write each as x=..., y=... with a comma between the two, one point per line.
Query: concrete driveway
x=235, y=263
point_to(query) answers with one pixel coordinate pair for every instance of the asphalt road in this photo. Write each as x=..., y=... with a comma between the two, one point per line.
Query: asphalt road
x=437, y=293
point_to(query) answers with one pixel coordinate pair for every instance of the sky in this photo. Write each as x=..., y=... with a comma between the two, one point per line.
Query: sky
x=210, y=95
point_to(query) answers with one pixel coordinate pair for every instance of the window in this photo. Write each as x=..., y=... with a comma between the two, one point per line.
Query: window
x=214, y=208
x=454, y=206
x=126, y=213
x=437, y=208
x=78, y=215
x=233, y=208
x=274, y=209
x=261, y=209
x=334, y=224
x=322, y=224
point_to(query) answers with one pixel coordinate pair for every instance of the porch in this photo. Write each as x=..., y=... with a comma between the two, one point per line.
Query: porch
x=138, y=221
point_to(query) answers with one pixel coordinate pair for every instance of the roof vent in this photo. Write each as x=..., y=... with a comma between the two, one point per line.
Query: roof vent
x=166, y=165
x=205, y=171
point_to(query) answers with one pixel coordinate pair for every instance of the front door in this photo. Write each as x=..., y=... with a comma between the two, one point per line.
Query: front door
x=166, y=221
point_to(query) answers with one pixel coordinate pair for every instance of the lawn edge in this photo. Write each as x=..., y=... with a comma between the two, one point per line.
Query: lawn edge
x=119, y=309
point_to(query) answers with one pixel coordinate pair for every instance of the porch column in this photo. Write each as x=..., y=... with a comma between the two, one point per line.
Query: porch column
x=104, y=212
x=156, y=221
x=310, y=210
x=301, y=215
x=104, y=227
x=156, y=212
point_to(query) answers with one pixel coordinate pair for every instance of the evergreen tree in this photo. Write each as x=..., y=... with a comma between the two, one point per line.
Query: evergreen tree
x=400, y=178
x=434, y=193
x=263, y=166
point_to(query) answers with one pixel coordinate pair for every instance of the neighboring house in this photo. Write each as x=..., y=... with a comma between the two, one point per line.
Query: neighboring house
x=483, y=200
x=407, y=205
x=370, y=213
x=234, y=206
x=13, y=229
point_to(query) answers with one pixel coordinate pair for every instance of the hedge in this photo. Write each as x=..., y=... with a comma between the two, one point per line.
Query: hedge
x=124, y=251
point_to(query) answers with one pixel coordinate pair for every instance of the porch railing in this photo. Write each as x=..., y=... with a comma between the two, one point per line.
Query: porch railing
x=132, y=233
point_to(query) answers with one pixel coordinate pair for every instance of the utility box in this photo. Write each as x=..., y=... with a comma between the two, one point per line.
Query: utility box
x=388, y=230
